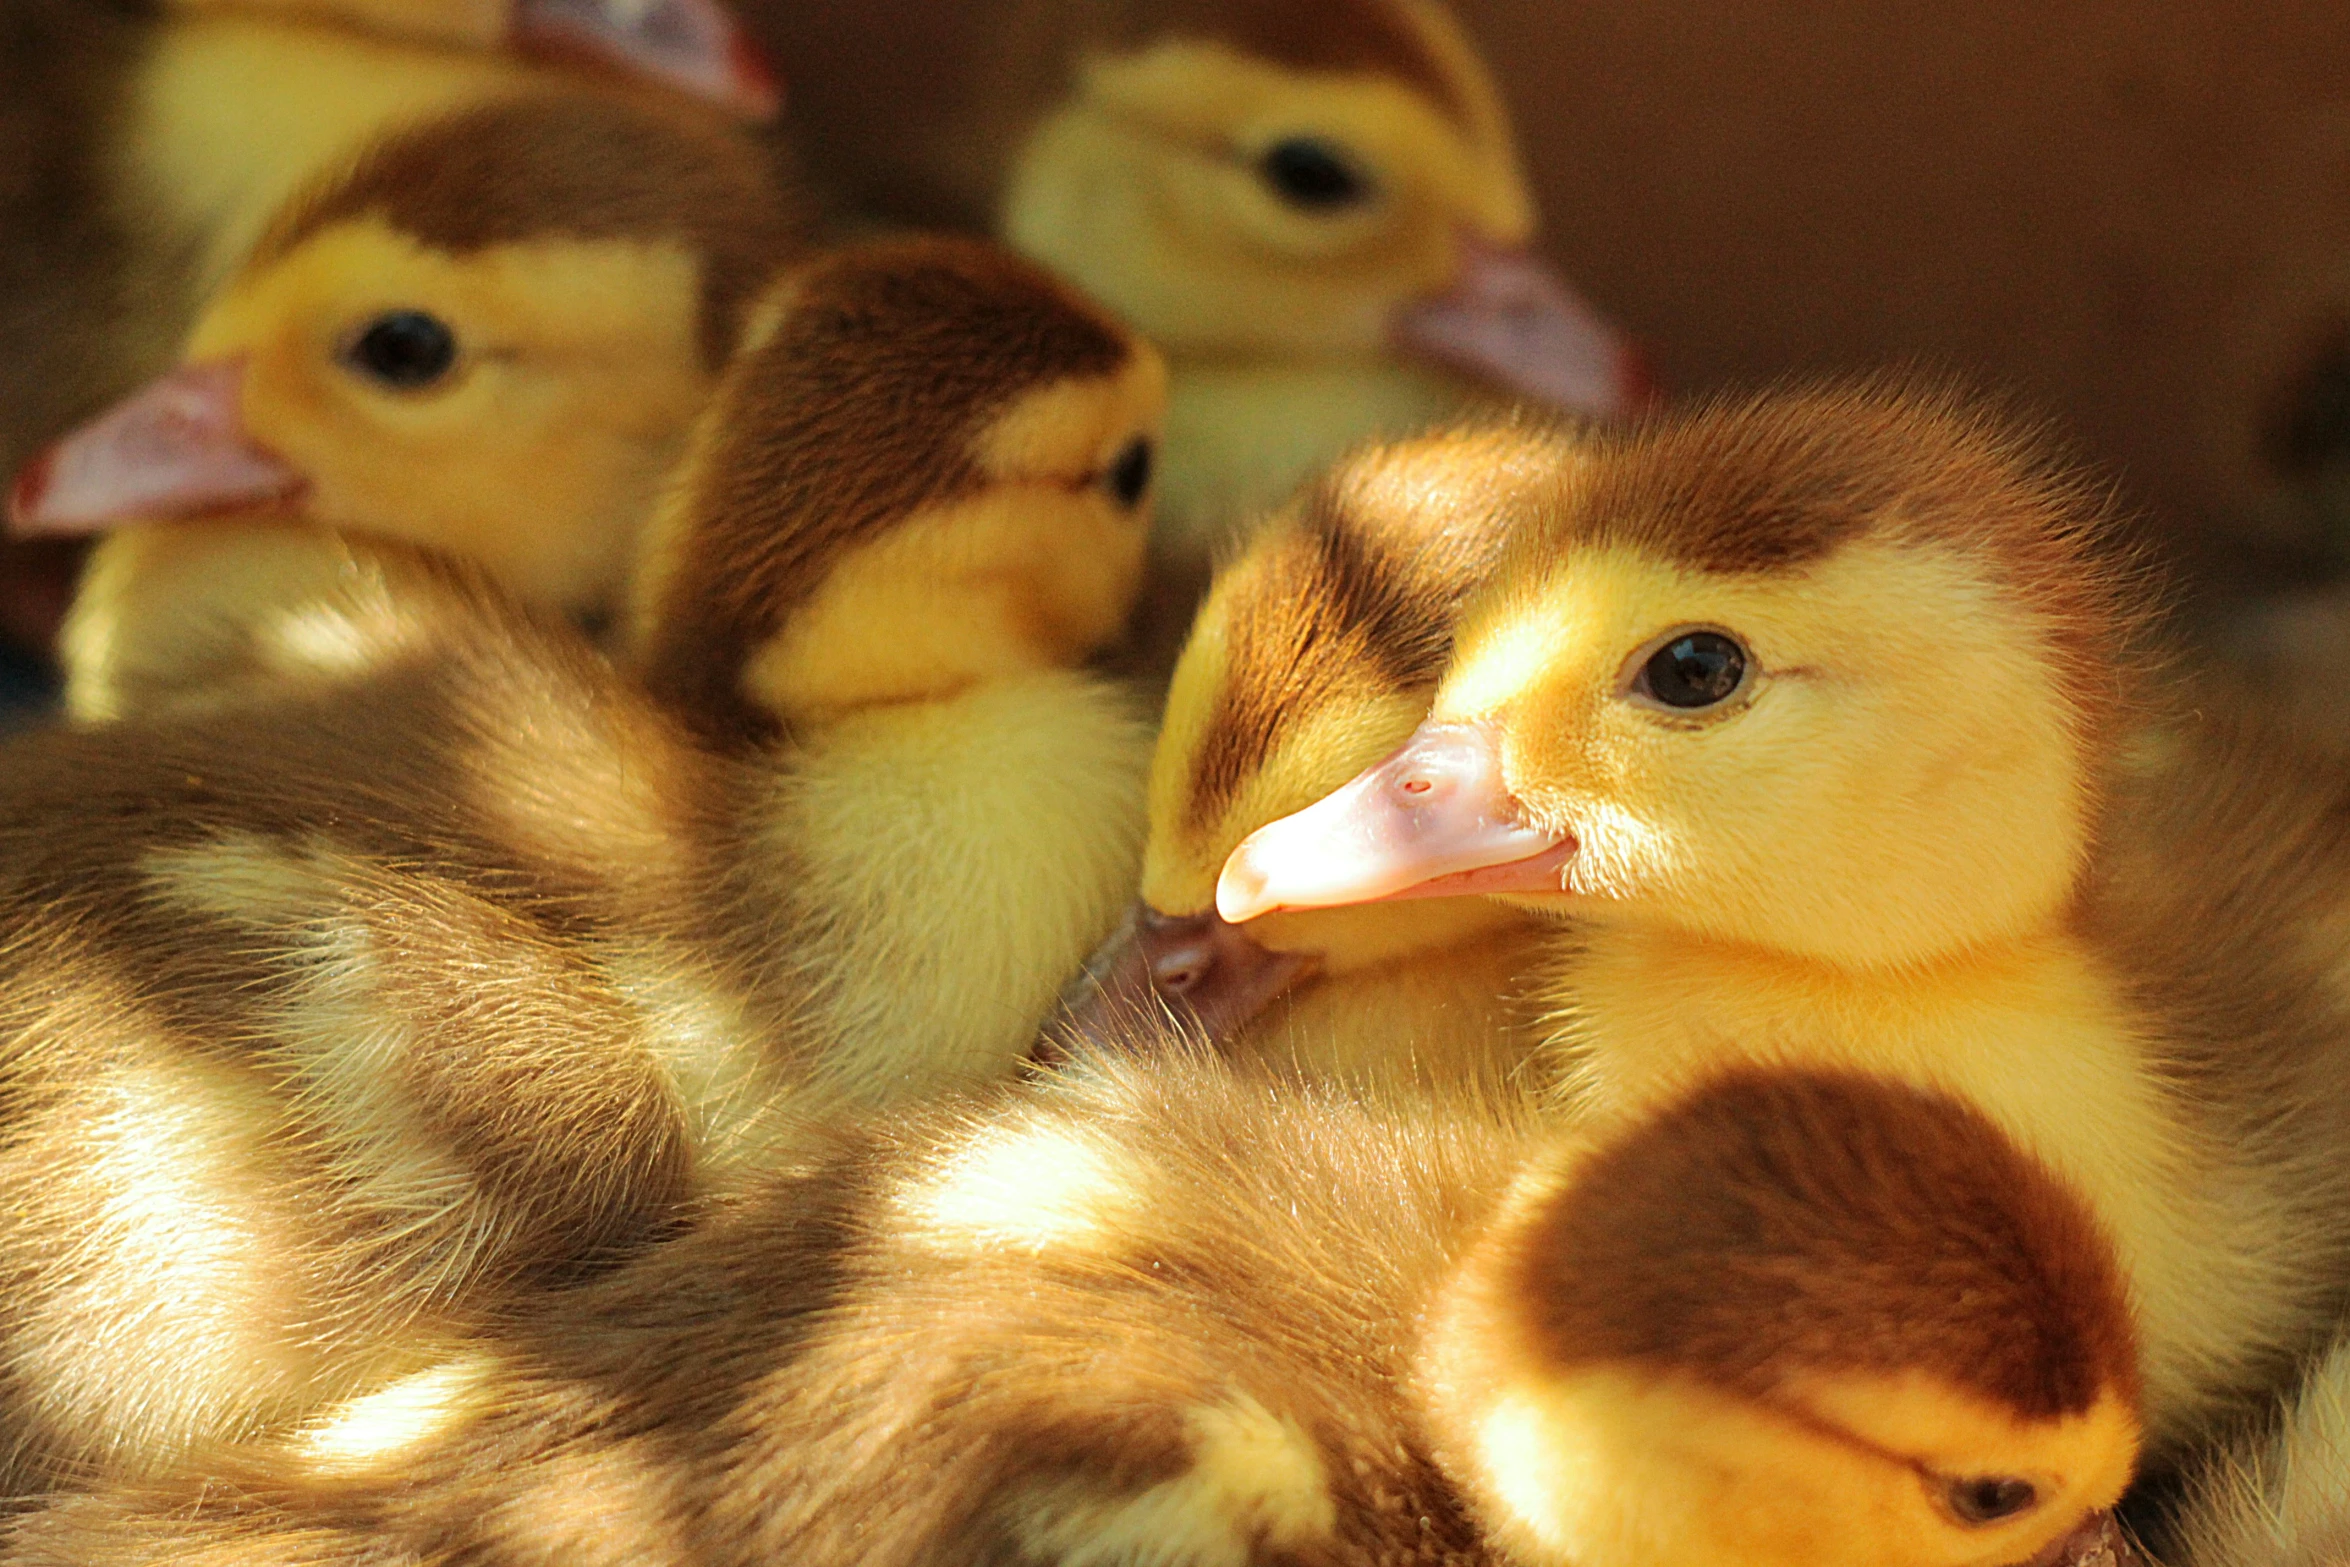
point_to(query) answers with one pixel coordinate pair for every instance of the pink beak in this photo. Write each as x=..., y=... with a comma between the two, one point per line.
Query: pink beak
x=1434, y=820
x=1510, y=319
x=1194, y=966
x=695, y=46
x=175, y=448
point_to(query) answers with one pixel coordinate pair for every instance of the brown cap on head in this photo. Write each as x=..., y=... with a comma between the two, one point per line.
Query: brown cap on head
x=858, y=404
x=583, y=166
x=1847, y=1319
x=1771, y=1223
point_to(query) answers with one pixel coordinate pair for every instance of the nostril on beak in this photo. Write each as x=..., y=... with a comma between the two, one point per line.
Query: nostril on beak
x=1175, y=972
x=1417, y=785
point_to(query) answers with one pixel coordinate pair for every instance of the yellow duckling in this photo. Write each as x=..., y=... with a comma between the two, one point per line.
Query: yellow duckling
x=149, y=153
x=1820, y=716
x=1168, y=1313
x=488, y=336
x=462, y=962
x=1315, y=654
x=1315, y=208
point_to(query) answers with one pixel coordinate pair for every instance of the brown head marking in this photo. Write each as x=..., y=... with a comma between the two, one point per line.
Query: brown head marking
x=1775, y=1224
x=1358, y=592
x=578, y=167
x=858, y=410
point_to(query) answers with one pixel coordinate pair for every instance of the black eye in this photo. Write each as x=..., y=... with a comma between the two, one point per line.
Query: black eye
x=1130, y=475
x=404, y=348
x=1696, y=669
x=1313, y=175
x=1989, y=1498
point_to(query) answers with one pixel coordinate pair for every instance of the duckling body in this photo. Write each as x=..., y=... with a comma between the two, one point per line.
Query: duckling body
x=463, y=962
x=488, y=335
x=1821, y=718
x=1076, y=1324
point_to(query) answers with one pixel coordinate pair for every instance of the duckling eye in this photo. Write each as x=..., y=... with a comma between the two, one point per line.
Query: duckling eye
x=1693, y=670
x=1310, y=174
x=403, y=348
x=1989, y=1498
x=1130, y=475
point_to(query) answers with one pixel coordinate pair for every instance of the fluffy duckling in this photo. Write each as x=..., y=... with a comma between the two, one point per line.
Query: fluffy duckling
x=1315, y=208
x=1820, y=716
x=2277, y=1493
x=330, y=1017
x=1315, y=654
x=1174, y=1314
x=489, y=336
x=148, y=152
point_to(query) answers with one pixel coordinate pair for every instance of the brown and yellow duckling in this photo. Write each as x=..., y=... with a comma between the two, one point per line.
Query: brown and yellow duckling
x=1317, y=209
x=1826, y=720
x=1174, y=1313
x=1315, y=654
x=464, y=962
x=488, y=336
x=152, y=149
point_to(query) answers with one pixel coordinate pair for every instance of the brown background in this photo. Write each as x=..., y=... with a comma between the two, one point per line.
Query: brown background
x=2136, y=212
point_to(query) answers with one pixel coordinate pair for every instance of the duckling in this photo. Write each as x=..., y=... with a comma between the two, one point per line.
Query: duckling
x=465, y=960
x=1315, y=654
x=1315, y=208
x=1827, y=719
x=148, y=152
x=488, y=336
x=1172, y=1312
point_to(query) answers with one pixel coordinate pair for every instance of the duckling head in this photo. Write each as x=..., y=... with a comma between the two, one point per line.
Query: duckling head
x=1794, y=1318
x=930, y=466
x=1830, y=674
x=1315, y=654
x=489, y=336
x=1300, y=180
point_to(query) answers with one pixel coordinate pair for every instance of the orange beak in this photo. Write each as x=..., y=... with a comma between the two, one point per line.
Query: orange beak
x=1511, y=320
x=1434, y=820
x=177, y=447
x=694, y=46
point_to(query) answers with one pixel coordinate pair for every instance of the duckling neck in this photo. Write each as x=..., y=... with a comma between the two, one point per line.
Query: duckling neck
x=955, y=859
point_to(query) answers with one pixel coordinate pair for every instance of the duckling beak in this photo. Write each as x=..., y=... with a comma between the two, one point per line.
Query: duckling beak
x=1510, y=319
x=695, y=46
x=1434, y=820
x=175, y=448
x=1202, y=969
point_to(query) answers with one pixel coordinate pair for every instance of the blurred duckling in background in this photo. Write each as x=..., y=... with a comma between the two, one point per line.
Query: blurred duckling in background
x=149, y=153
x=1316, y=654
x=488, y=336
x=464, y=963
x=148, y=148
x=1168, y=1312
x=1315, y=208
x=1827, y=719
